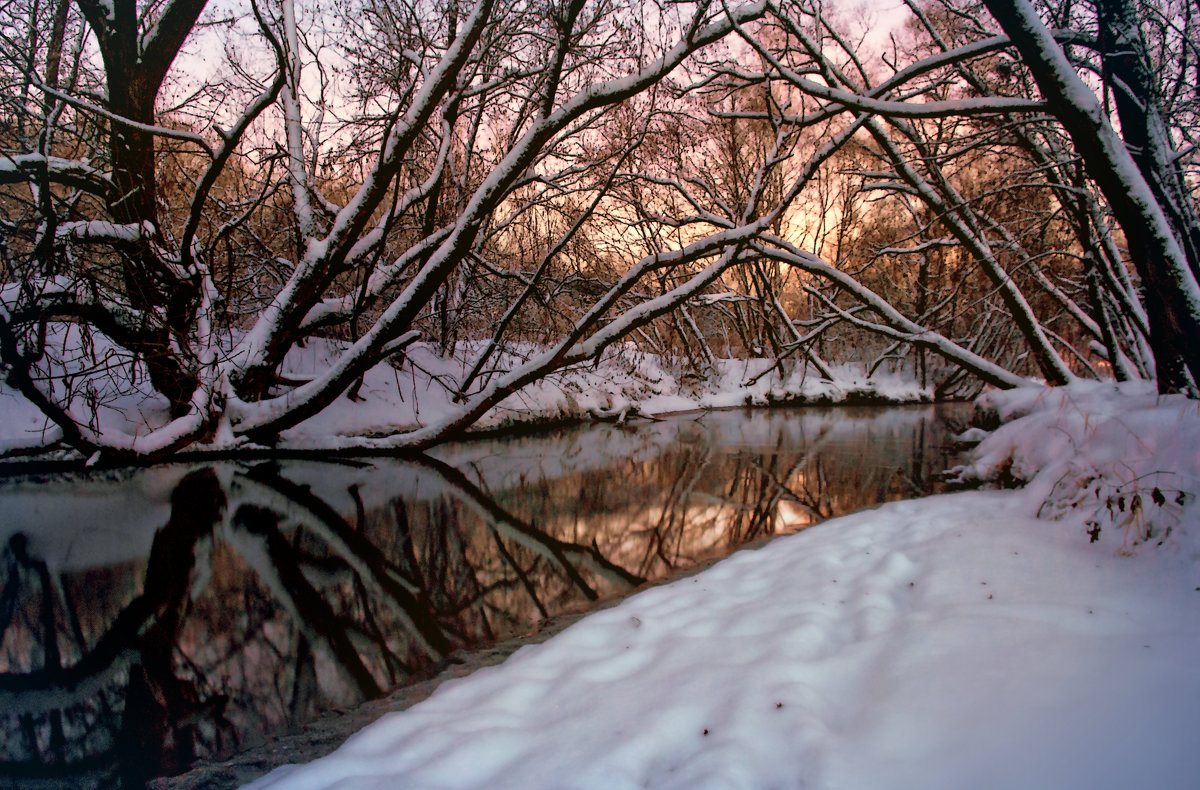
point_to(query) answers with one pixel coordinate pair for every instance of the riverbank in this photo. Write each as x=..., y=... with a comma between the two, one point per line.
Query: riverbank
x=1044, y=636
x=418, y=390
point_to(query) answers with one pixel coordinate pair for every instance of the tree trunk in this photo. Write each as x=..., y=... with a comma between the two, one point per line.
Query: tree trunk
x=135, y=68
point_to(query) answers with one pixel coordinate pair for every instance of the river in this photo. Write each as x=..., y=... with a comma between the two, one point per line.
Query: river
x=154, y=617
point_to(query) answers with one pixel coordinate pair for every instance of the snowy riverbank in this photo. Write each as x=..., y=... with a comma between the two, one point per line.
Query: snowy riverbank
x=417, y=392
x=955, y=641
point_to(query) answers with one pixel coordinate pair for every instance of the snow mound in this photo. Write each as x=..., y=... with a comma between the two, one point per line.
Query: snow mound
x=1124, y=458
x=93, y=381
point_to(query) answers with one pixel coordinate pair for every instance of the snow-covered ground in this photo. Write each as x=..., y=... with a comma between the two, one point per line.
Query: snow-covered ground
x=960, y=641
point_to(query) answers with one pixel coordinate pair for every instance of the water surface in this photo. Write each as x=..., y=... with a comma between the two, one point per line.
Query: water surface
x=149, y=618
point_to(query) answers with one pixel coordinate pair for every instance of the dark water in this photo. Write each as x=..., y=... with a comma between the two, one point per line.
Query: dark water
x=149, y=618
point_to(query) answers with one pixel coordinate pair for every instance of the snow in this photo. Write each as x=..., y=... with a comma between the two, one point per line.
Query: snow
x=1124, y=455
x=23, y=425
x=126, y=412
x=418, y=391
x=102, y=230
x=625, y=382
x=955, y=641
x=97, y=369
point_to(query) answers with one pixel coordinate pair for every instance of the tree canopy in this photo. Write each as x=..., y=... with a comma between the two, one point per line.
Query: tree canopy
x=992, y=191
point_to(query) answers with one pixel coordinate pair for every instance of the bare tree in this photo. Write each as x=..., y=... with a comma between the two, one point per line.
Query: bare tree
x=572, y=173
x=1138, y=171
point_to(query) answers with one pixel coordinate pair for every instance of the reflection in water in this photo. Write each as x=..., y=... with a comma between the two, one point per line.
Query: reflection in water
x=153, y=617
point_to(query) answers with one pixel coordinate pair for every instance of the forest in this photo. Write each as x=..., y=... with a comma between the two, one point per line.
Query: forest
x=973, y=194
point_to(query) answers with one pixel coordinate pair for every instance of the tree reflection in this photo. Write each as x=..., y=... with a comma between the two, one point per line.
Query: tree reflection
x=276, y=591
x=259, y=606
x=120, y=709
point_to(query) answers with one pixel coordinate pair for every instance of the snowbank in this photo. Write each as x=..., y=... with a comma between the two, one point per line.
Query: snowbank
x=956, y=641
x=1122, y=457
x=417, y=391
x=624, y=382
